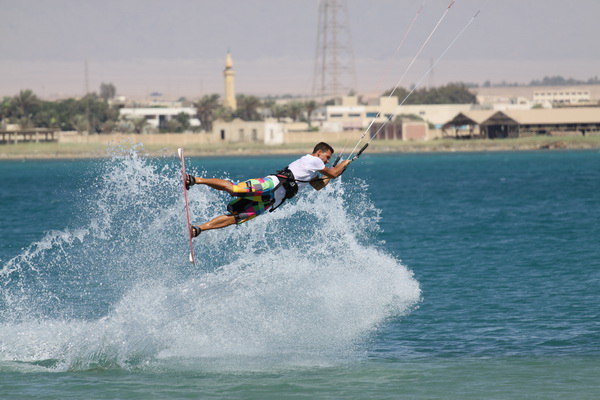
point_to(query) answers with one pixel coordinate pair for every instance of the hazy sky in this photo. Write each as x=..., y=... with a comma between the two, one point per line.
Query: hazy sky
x=178, y=47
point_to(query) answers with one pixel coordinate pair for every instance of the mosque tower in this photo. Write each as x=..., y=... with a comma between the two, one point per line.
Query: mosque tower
x=228, y=73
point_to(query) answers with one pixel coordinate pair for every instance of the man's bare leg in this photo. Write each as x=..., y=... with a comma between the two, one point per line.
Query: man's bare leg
x=219, y=222
x=219, y=184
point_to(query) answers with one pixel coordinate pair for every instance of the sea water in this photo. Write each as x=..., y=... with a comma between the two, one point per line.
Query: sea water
x=413, y=276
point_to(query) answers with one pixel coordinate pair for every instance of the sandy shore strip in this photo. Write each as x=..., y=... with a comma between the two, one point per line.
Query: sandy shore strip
x=103, y=150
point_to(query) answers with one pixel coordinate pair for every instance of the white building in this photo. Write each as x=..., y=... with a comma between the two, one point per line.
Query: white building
x=529, y=96
x=562, y=95
x=348, y=115
x=158, y=117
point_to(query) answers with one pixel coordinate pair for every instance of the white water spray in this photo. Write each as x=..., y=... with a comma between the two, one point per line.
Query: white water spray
x=306, y=284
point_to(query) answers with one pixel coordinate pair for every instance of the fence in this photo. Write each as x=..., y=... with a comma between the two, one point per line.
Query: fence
x=36, y=135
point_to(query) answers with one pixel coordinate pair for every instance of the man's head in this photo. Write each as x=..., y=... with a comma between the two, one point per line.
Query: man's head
x=323, y=151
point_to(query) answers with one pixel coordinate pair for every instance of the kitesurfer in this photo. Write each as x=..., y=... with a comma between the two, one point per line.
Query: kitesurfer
x=254, y=197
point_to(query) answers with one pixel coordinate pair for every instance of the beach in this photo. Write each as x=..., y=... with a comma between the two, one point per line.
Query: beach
x=153, y=148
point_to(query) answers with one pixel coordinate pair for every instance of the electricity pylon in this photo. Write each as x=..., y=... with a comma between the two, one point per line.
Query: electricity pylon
x=334, y=73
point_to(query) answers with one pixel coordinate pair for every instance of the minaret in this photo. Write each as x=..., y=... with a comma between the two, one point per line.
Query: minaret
x=228, y=73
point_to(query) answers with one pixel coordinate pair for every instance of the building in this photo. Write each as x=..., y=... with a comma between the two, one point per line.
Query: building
x=399, y=131
x=269, y=132
x=466, y=124
x=347, y=114
x=158, y=117
x=570, y=96
x=229, y=100
x=434, y=114
x=579, y=121
x=554, y=122
x=529, y=96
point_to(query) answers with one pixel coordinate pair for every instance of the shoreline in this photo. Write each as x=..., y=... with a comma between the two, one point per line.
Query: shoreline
x=54, y=150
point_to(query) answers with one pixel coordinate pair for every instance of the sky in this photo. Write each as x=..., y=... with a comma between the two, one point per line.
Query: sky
x=178, y=47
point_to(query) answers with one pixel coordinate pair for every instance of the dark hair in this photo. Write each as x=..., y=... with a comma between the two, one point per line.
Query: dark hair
x=323, y=147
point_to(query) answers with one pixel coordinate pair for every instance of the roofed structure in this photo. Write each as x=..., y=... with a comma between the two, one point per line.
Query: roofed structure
x=519, y=123
x=467, y=123
x=554, y=121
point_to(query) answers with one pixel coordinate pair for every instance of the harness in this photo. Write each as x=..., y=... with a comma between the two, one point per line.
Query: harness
x=288, y=181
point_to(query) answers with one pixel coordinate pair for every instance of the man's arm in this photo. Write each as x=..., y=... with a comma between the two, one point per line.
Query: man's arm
x=319, y=183
x=329, y=173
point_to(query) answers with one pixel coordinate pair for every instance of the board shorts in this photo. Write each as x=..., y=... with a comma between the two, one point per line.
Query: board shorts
x=252, y=198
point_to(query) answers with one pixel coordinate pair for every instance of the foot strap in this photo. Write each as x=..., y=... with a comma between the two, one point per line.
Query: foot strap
x=196, y=231
x=190, y=180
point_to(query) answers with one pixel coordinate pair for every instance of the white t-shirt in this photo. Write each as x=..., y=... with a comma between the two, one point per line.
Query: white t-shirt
x=304, y=169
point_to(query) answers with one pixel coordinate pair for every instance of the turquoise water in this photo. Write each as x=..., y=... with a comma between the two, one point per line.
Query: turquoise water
x=455, y=276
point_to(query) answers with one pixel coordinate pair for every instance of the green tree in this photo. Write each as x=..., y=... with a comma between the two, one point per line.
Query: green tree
x=310, y=107
x=139, y=125
x=80, y=123
x=65, y=110
x=107, y=91
x=267, y=107
x=206, y=109
x=247, y=107
x=274, y=110
x=5, y=108
x=174, y=126
x=224, y=113
x=25, y=105
x=97, y=111
x=125, y=126
x=295, y=110
x=184, y=121
x=456, y=93
x=46, y=116
x=109, y=126
x=279, y=111
x=452, y=93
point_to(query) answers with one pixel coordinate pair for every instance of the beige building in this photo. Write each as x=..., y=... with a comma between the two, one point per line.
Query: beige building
x=579, y=121
x=269, y=132
x=399, y=131
x=229, y=100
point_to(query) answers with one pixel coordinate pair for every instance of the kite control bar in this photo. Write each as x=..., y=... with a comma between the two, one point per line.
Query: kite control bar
x=360, y=152
x=337, y=160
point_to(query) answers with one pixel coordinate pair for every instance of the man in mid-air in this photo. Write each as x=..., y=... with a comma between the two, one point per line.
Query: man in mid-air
x=256, y=196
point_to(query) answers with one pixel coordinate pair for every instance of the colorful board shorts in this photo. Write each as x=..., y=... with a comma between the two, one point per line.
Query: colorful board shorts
x=253, y=198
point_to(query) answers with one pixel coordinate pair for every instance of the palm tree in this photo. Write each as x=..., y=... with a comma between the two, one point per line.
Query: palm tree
x=279, y=111
x=206, y=109
x=25, y=105
x=107, y=91
x=80, y=123
x=295, y=110
x=139, y=125
x=109, y=126
x=5, y=107
x=248, y=107
x=310, y=107
x=267, y=108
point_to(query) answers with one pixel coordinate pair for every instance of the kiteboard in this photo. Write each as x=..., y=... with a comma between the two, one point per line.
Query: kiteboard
x=187, y=208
